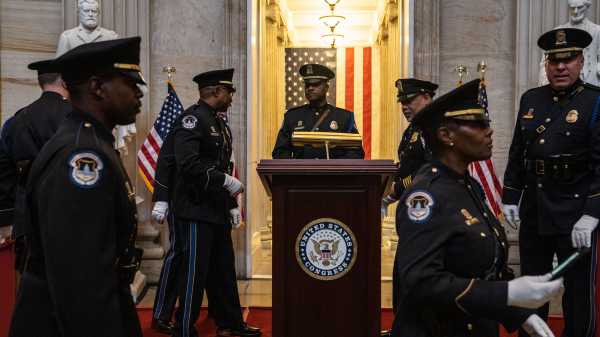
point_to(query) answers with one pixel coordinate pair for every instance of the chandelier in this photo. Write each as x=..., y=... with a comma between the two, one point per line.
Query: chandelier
x=332, y=21
x=332, y=38
x=332, y=3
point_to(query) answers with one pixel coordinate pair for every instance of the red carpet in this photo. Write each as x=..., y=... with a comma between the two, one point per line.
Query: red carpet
x=261, y=317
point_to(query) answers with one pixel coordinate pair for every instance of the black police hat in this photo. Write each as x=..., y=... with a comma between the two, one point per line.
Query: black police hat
x=411, y=87
x=121, y=55
x=315, y=73
x=215, y=77
x=564, y=43
x=43, y=67
x=461, y=103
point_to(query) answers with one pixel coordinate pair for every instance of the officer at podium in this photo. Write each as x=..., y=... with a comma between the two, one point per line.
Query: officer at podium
x=317, y=115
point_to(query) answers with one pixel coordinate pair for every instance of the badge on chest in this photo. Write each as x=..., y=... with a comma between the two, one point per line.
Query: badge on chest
x=572, y=116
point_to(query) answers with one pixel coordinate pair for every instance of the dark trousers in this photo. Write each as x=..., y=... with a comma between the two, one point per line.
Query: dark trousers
x=208, y=264
x=537, y=254
x=170, y=275
x=395, y=284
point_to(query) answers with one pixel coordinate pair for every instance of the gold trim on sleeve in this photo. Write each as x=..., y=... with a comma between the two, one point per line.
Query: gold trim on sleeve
x=461, y=295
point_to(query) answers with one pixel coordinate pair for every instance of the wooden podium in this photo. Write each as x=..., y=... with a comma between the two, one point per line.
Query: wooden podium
x=326, y=245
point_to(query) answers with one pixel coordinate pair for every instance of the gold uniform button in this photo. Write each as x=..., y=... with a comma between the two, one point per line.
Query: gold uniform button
x=316, y=113
x=485, y=215
x=316, y=129
x=434, y=169
x=87, y=124
x=542, y=141
x=540, y=185
x=469, y=326
x=482, y=234
x=548, y=120
x=555, y=99
x=568, y=133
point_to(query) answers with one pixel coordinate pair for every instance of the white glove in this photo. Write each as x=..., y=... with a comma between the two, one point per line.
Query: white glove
x=233, y=185
x=581, y=236
x=236, y=217
x=385, y=203
x=537, y=327
x=511, y=214
x=532, y=292
x=160, y=211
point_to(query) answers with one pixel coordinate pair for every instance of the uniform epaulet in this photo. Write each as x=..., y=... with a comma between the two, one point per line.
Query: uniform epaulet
x=426, y=175
x=344, y=110
x=297, y=108
x=86, y=136
x=591, y=86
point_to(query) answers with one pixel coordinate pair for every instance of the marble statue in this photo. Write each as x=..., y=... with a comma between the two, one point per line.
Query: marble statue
x=577, y=19
x=88, y=31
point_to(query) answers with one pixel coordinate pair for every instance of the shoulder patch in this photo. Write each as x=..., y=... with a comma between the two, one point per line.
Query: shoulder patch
x=419, y=206
x=189, y=122
x=85, y=169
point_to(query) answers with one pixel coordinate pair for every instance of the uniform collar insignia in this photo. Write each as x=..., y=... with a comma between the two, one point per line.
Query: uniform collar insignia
x=469, y=219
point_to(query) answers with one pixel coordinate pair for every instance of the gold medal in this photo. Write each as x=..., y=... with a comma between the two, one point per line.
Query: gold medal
x=528, y=114
x=572, y=116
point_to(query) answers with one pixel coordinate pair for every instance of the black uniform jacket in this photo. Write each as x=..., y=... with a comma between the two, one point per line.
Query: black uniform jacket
x=412, y=154
x=31, y=128
x=166, y=170
x=8, y=176
x=554, y=158
x=203, y=150
x=81, y=222
x=303, y=118
x=451, y=259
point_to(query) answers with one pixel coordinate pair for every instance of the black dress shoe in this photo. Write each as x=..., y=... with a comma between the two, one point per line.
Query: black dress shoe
x=386, y=333
x=243, y=331
x=162, y=326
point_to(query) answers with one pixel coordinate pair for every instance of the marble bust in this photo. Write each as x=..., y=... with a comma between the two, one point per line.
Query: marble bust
x=577, y=19
x=87, y=30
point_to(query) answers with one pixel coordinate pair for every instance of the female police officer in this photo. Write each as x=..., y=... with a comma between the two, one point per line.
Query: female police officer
x=452, y=251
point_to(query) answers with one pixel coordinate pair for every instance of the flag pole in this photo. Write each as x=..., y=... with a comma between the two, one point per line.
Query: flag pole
x=481, y=69
x=170, y=70
x=462, y=72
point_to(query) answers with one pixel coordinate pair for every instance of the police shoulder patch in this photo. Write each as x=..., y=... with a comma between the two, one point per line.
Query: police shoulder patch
x=189, y=122
x=419, y=206
x=85, y=169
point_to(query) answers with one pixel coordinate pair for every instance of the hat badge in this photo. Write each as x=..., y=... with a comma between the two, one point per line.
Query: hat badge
x=309, y=70
x=400, y=88
x=561, y=37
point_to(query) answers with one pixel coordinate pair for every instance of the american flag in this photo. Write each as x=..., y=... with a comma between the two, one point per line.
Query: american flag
x=351, y=89
x=148, y=153
x=484, y=172
x=297, y=57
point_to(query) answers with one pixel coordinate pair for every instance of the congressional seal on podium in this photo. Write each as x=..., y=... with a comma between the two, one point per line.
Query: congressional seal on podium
x=326, y=249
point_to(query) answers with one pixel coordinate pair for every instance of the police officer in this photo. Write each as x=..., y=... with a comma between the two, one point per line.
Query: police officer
x=317, y=115
x=205, y=208
x=31, y=127
x=172, y=269
x=80, y=205
x=414, y=95
x=8, y=176
x=553, y=170
x=452, y=251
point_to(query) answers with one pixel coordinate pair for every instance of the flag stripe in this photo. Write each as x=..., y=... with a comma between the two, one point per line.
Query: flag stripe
x=367, y=118
x=486, y=187
x=349, y=79
x=497, y=185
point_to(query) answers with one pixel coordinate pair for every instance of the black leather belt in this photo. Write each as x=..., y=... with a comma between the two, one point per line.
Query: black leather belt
x=556, y=168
